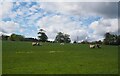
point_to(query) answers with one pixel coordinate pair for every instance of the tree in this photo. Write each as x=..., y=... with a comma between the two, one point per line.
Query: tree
x=99, y=42
x=118, y=40
x=15, y=37
x=62, y=38
x=59, y=37
x=30, y=39
x=107, y=38
x=111, y=39
x=43, y=37
x=67, y=38
x=85, y=42
x=4, y=37
x=75, y=42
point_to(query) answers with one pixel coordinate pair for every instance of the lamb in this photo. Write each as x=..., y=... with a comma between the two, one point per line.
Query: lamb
x=92, y=46
x=35, y=44
x=98, y=46
x=61, y=43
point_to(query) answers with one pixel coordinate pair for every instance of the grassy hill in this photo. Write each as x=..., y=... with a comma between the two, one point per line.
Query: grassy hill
x=53, y=58
x=0, y=57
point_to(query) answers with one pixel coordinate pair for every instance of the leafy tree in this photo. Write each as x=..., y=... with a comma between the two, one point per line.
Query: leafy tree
x=99, y=42
x=111, y=39
x=107, y=38
x=43, y=37
x=118, y=40
x=85, y=42
x=59, y=37
x=15, y=37
x=67, y=38
x=62, y=38
x=75, y=42
x=30, y=39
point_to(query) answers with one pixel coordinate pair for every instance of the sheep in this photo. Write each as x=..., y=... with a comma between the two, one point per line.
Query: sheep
x=98, y=46
x=92, y=46
x=36, y=44
x=61, y=43
x=33, y=43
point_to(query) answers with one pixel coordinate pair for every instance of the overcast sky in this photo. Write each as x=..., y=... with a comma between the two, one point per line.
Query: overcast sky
x=85, y=20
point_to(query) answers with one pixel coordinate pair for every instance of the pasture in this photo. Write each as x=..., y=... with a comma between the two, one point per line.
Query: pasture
x=53, y=58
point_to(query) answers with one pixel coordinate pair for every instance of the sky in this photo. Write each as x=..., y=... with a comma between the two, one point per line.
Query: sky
x=81, y=20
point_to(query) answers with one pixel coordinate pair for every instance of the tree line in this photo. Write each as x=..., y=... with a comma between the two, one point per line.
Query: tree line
x=15, y=37
x=109, y=39
x=60, y=37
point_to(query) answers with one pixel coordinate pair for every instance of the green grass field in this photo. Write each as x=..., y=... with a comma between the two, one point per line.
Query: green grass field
x=0, y=57
x=23, y=58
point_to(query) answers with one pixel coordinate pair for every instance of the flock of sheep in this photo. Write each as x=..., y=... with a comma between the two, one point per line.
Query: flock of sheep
x=96, y=45
x=36, y=44
x=91, y=45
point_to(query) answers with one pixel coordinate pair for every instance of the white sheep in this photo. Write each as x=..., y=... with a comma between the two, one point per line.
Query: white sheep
x=36, y=43
x=61, y=43
x=92, y=46
x=98, y=46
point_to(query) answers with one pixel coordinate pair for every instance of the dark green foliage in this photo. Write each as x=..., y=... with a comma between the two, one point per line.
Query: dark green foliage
x=15, y=37
x=75, y=42
x=62, y=38
x=85, y=42
x=111, y=39
x=30, y=39
x=118, y=40
x=99, y=42
x=96, y=42
x=43, y=37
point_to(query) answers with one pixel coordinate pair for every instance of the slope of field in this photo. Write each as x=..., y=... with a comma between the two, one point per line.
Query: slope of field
x=23, y=58
x=0, y=57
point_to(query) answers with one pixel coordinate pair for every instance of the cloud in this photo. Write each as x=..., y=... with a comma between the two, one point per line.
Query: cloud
x=95, y=31
x=5, y=8
x=104, y=25
x=8, y=27
x=60, y=23
x=63, y=0
x=104, y=9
